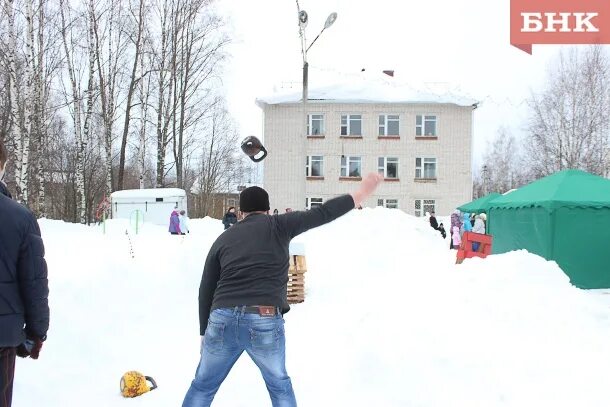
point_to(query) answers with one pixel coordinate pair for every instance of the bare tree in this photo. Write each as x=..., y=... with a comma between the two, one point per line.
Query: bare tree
x=76, y=115
x=502, y=168
x=570, y=121
x=137, y=42
x=219, y=159
x=14, y=90
x=108, y=79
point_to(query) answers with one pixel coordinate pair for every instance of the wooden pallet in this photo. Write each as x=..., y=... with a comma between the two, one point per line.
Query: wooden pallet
x=296, y=279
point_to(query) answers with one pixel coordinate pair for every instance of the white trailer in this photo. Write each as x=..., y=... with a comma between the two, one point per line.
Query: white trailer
x=155, y=205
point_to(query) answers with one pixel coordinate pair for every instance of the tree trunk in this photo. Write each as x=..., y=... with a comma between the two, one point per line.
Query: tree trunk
x=14, y=91
x=79, y=170
x=132, y=87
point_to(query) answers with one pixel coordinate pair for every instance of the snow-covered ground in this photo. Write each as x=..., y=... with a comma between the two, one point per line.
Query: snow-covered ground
x=389, y=320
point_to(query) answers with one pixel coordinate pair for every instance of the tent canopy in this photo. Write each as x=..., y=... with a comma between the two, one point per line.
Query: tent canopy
x=479, y=205
x=564, y=189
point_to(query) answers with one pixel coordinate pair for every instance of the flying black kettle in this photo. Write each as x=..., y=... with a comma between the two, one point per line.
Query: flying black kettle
x=252, y=147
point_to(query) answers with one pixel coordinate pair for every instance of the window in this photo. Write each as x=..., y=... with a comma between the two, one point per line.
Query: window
x=425, y=167
x=389, y=125
x=351, y=125
x=388, y=203
x=315, y=124
x=425, y=125
x=351, y=166
x=388, y=167
x=314, y=167
x=424, y=205
x=313, y=202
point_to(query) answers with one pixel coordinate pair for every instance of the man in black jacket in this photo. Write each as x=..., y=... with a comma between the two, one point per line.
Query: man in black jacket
x=24, y=310
x=242, y=295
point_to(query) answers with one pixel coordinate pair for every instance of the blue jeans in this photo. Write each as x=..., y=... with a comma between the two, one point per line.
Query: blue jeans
x=228, y=334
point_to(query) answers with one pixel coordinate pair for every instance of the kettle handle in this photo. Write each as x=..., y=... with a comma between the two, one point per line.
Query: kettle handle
x=152, y=381
x=256, y=160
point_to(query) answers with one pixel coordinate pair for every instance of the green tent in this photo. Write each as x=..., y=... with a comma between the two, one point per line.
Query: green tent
x=479, y=205
x=563, y=217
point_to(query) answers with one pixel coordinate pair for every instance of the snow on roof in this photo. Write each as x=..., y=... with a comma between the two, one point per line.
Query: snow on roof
x=367, y=88
x=149, y=193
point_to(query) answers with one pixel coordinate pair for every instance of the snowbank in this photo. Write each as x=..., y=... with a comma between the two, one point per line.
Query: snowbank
x=389, y=320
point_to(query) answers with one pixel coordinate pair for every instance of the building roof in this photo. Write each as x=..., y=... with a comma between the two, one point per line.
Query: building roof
x=367, y=88
x=149, y=193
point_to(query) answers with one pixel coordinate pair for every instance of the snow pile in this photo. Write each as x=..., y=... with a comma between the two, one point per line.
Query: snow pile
x=389, y=320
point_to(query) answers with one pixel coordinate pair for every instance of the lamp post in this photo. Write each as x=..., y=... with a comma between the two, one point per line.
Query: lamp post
x=303, y=20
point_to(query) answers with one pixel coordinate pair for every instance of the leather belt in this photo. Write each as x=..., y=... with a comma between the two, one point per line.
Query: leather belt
x=262, y=310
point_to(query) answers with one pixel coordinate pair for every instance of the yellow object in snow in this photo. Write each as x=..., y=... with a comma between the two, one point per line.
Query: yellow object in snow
x=135, y=384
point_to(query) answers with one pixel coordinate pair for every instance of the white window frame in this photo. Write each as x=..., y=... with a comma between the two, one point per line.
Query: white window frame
x=348, y=125
x=313, y=202
x=390, y=203
x=422, y=206
x=310, y=120
x=382, y=166
x=308, y=167
x=422, y=167
x=420, y=128
x=348, y=159
x=384, y=119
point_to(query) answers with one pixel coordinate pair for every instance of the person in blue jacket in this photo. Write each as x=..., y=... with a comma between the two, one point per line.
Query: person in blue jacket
x=24, y=290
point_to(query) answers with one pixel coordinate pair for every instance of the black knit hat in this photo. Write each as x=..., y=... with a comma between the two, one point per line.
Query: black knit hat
x=253, y=199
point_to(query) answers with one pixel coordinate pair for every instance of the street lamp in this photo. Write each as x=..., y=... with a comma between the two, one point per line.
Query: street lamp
x=303, y=20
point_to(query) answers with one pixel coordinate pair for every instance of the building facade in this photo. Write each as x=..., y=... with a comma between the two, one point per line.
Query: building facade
x=423, y=149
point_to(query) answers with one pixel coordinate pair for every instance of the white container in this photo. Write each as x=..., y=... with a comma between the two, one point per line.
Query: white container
x=155, y=205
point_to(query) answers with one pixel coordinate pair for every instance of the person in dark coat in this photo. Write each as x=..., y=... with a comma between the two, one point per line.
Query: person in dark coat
x=441, y=229
x=230, y=218
x=24, y=290
x=433, y=221
x=242, y=295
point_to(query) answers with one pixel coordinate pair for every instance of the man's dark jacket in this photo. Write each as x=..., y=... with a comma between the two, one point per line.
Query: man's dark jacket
x=24, y=288
x=248, y=263
x=433, y=222
x=229, y=219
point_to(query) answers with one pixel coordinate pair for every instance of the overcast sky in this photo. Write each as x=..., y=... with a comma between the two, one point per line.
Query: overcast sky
x=464, y=44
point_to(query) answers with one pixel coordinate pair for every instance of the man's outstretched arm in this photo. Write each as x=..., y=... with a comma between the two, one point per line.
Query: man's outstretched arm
x=298, y=222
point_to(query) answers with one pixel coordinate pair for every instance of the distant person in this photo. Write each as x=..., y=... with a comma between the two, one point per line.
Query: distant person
x=484, y=219
x=472, y=216
x=184, y=228
x=479, y=227
x=242, y=296
x=288, y=210
x=433, y=221
x=276, y=212
x=456, y=240
x=230, y=218
x=174, y=222
x=441, y=229
x=24, y=291
x=466, y=225
x=455, y=221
